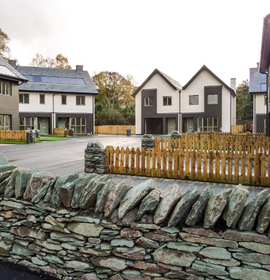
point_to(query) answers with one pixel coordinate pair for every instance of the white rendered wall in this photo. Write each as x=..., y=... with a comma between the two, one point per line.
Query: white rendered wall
x=138, y=113
x=197, y=88
x=163, y=89
x=71, y=107
x=226, y=110
x=260, y=107
x=34, y=103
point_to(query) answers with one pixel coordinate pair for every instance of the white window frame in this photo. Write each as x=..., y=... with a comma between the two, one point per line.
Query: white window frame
x=207, y=123
x=148, y=101
x=167, y=101
x=80, y=100
x=214, y=102
x=40, y=97
x=26, y=122
x=5, y=88
x=193, y=99
x=79, y=125
x=23, y=95
x=5, y=122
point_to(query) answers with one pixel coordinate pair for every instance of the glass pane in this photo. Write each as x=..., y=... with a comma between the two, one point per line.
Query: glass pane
x=72, y=121
x=215, y=121
x=21, y=121
x=26, y=98
x=21, y=98
x=79, y=81
x=55, y=80
x=212, y=99
x=45, y=79
x=83, y=121
x=83, y=129
x=151, y=100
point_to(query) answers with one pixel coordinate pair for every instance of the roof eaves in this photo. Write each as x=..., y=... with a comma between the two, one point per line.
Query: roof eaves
x=265, y=45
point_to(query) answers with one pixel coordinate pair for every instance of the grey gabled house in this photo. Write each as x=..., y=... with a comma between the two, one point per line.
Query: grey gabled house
x=56, y=98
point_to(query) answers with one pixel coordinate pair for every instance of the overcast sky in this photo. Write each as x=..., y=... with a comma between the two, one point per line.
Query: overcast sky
x=134, y=37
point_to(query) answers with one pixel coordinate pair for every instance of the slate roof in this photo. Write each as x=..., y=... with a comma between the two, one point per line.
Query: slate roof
x=7, y=71
x=87, y=88
x=256, y=79
x=205, y=68
x=174, y=84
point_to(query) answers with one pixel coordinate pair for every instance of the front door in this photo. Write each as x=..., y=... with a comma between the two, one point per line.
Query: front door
x=170, y=125
x=44, y=125
x=189, y=125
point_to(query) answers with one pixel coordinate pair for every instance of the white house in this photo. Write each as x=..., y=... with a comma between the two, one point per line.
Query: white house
x=56, y=98
x=205, y=103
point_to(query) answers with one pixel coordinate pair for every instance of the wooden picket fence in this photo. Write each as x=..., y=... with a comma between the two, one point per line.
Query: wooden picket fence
x=251, y=143
x=60, y=131
x=13, y=135
x=245, y=163
x=114, y=129
x=236, y=128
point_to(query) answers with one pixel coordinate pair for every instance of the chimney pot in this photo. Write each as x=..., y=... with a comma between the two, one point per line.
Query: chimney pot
x=79, y=68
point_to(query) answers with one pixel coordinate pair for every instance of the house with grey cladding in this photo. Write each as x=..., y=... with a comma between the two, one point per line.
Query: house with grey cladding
x=258, y=91
x=56, y=98
x=10, y=79
x=204, y=103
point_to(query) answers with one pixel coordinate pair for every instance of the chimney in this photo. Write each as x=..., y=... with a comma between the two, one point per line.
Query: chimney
x=12, y=62
x=258, y=65
x=79, y=68
x=233, y=84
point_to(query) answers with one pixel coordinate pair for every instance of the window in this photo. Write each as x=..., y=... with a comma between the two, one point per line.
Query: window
x=42, y=98
x=194, y=100
x=64, y=99
x=208, y=124
x=212, y=99
x=24, y=98
x=78, y=124
x=265, y=100
x=26, y=122
x=167, y=100
x=5, y=122
x=80, y=100
x=5, y=88
x=148, y=101
x=263, y=87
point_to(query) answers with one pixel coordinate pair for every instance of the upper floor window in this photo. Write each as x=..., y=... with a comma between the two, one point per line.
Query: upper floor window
x=167, y=100
x=42, y=98
x=5, y=88
x=263, y=87
x=194, y=100
x=212, y=99
x=24, y=98
x=80, y=100
x=148, y=101
x=64, y=99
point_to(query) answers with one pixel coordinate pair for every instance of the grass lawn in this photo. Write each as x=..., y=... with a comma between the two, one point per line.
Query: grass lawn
x=38, y=140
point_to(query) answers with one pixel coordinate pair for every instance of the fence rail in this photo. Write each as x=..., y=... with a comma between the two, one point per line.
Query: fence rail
x=114, y=129
x=237, y=162
x=13, y=135
x=236, y=128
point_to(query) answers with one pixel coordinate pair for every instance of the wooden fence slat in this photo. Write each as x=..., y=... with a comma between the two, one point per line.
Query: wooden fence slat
x=148, y=162
x=159, y=163
x=132, y=168
x=122, y=160
x=138, y=161
x=199, y=166
x=154, y=163
x=193, y=160
x=143, y=162
x=117, y=156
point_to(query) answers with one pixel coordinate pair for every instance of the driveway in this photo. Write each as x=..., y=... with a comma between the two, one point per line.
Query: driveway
x=61, y=157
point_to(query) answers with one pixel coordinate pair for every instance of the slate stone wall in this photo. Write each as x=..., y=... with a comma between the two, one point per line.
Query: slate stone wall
x=148, y=141
x=94, y=156
x=89, y=227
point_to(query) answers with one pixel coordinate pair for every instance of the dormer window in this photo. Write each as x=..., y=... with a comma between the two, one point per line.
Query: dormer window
x=148, y=101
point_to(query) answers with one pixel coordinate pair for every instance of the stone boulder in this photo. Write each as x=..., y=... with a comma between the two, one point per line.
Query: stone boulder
x=251, y=211
x=183, y=207
x=235, y=206
x=37, y=180
x=215, y=207
x=3, y=159
x=135, y=195
x=167, y=203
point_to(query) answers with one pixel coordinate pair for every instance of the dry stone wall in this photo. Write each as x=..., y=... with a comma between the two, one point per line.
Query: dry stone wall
x=88, y=227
